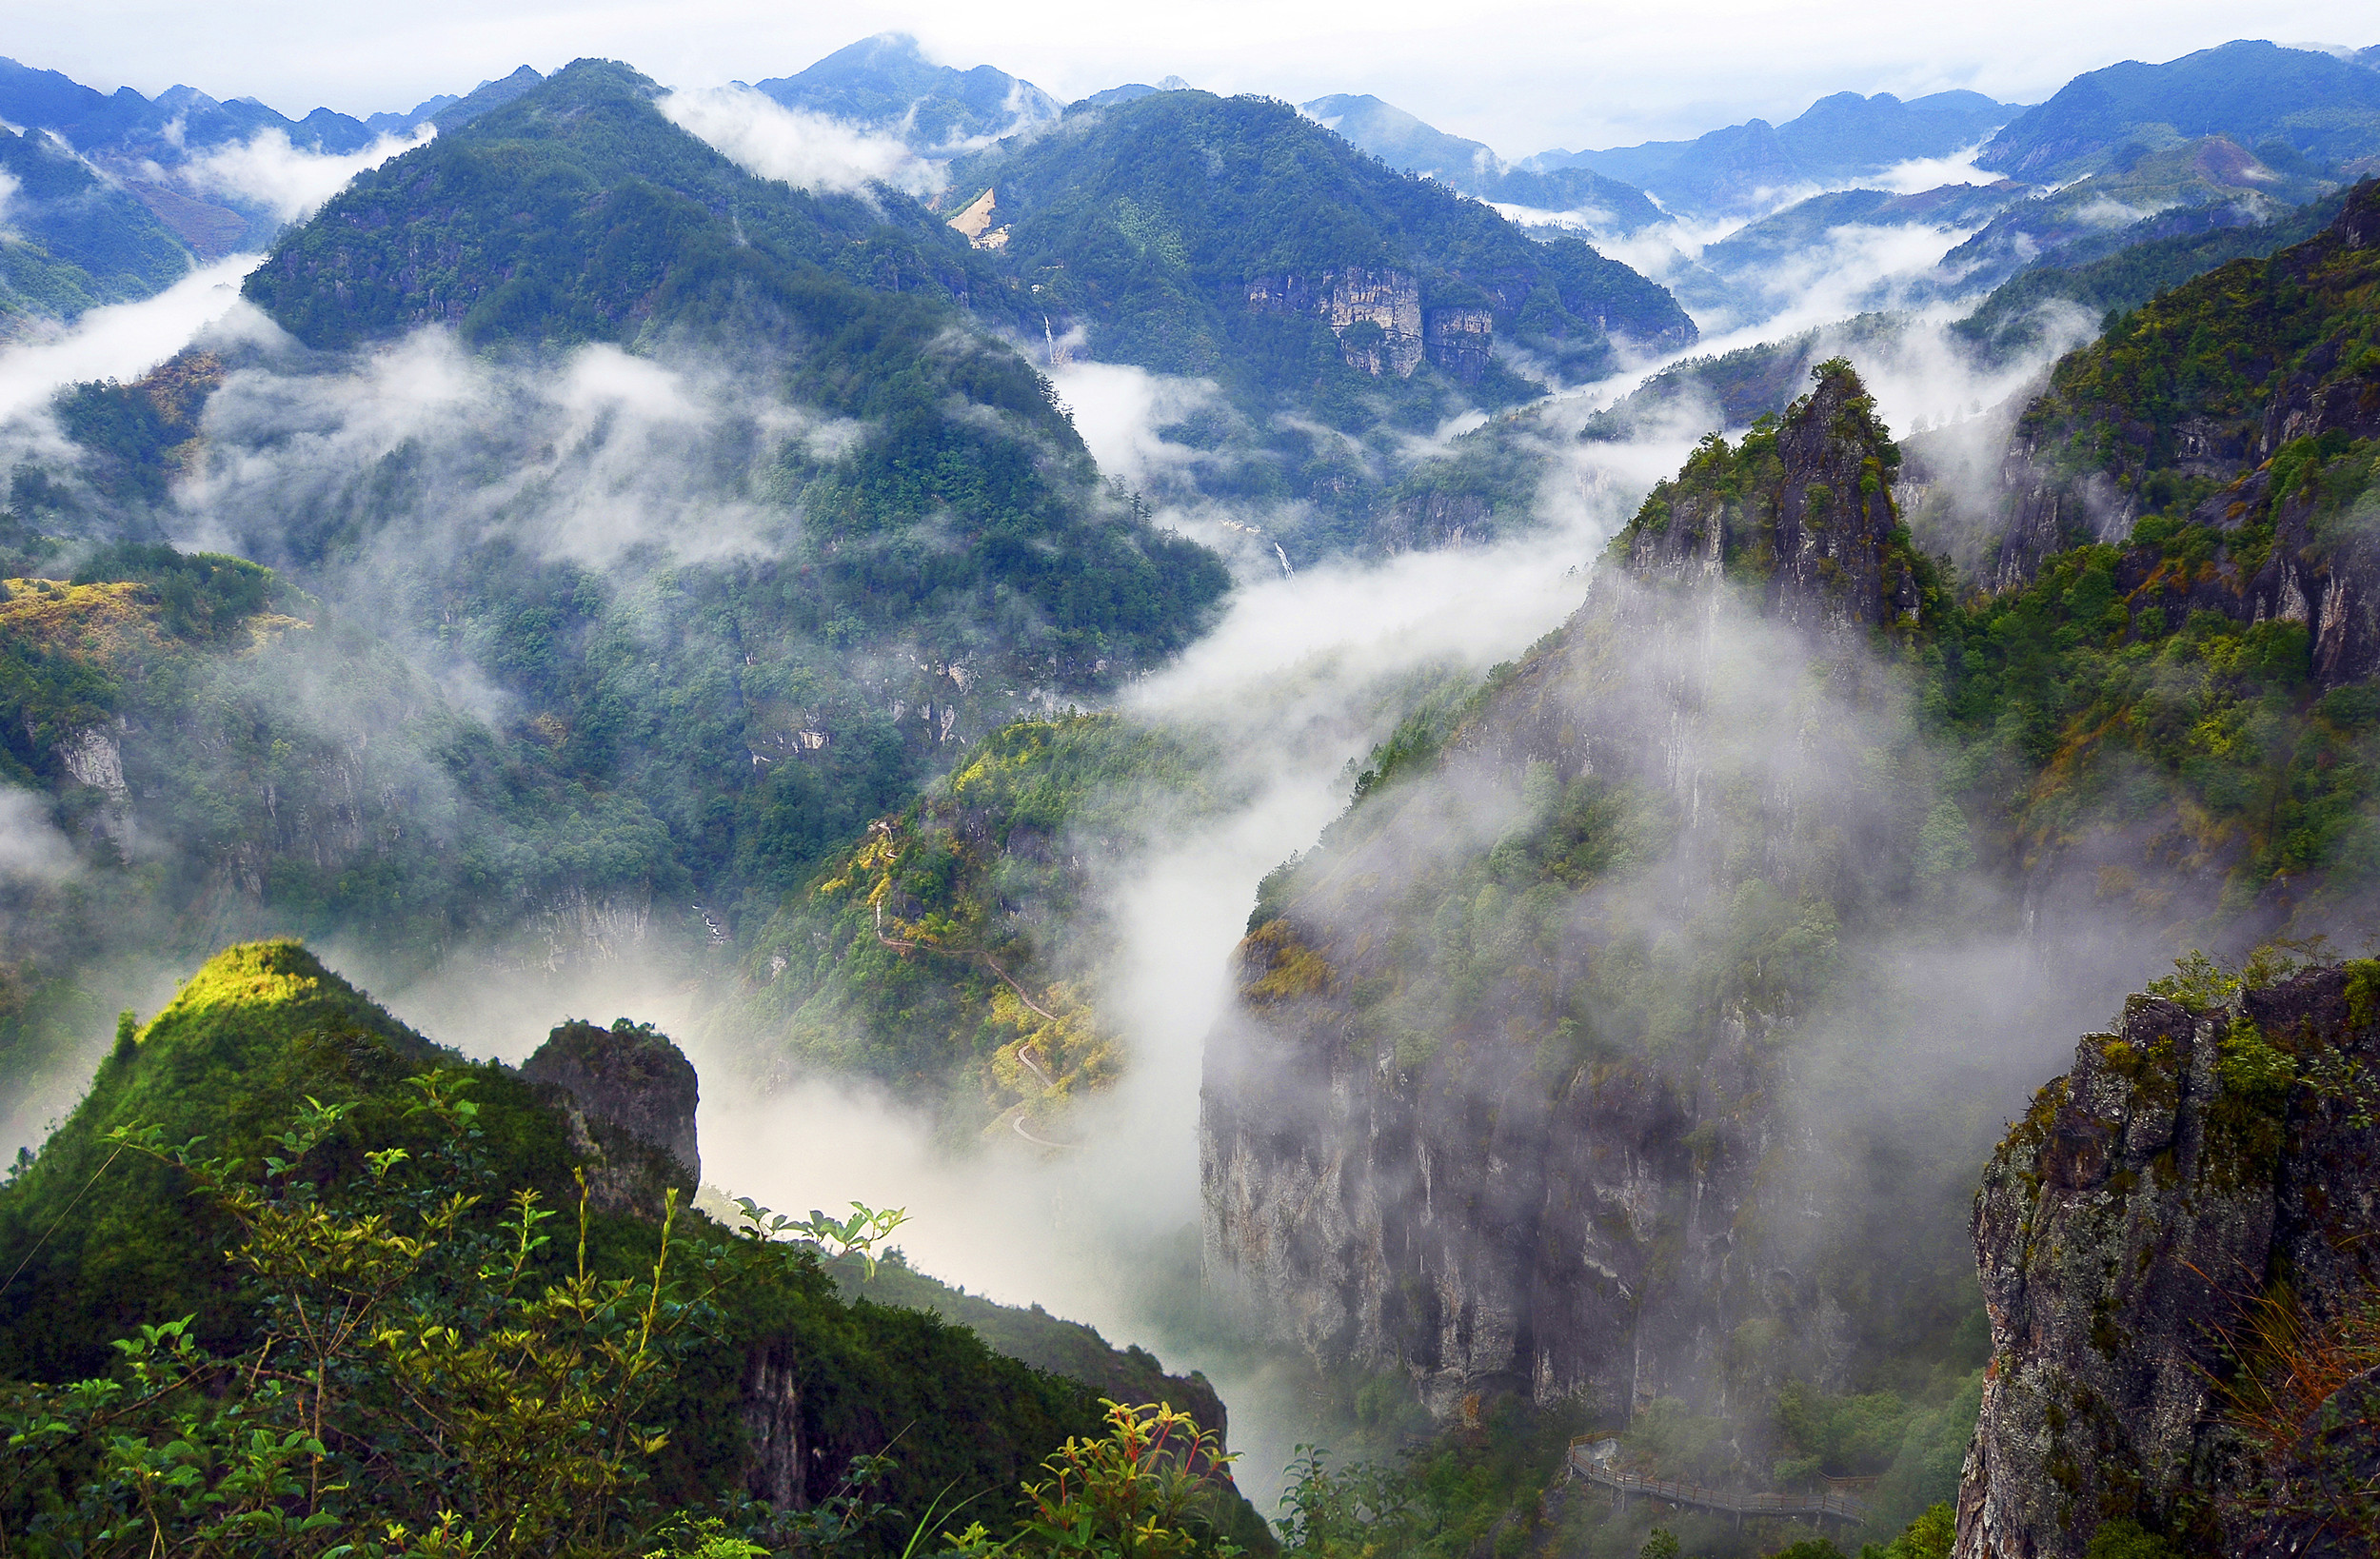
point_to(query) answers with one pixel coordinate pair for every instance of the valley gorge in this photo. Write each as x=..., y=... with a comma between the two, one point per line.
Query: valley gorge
x=1168, y=824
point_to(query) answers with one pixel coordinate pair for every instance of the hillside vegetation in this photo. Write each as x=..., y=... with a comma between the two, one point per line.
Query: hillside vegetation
x=413, y=1348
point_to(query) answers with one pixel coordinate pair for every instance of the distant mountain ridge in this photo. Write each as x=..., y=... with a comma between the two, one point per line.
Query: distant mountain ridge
x=72, y=240
x=1741, y=168
x=1404, y=142
x=143, y=145
x=2316, y=105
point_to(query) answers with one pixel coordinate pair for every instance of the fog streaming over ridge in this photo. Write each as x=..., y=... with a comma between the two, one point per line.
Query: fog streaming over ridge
x=288, y=181
x=120, y=340
x=583, y=458
x=807, y=150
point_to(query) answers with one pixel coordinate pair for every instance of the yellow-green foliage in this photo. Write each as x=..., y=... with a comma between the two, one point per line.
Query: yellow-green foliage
x=1291, y=969
x=924, y=954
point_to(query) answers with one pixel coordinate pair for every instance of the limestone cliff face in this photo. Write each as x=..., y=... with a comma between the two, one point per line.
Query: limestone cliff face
x=1377, y=314
x=1438, y=1135
x=1470, y=1227
x=631, y=1096
x=2191, y=1165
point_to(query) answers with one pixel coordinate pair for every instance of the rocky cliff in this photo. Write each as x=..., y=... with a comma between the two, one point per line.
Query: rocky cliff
x=2175, y=1253
x=629, y=1093
x=1801, y=515
x=1382, y=327
x=1494, y=1112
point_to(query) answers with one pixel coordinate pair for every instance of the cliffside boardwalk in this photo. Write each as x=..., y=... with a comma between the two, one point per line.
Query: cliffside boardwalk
x=1828, y=1505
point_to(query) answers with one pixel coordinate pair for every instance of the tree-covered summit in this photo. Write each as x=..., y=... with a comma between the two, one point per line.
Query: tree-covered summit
x=578, y=212
x=1180, y=228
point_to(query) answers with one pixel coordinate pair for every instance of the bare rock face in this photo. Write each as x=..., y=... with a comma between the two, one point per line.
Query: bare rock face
x=630, y=1095
x=1457, y=1225
x=2192, y=1171
x=1377, y=314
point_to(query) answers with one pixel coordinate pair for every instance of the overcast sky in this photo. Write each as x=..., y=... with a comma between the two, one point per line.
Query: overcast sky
x=1517, y=75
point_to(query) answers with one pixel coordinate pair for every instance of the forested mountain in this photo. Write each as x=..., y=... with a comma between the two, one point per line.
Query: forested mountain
x=886, y=83
x=1201, y=234
x=2314, y=106
x=635, y=226
x=1234, y=240
x=770, y=573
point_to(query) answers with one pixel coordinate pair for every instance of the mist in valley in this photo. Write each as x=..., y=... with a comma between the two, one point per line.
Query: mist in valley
x=1647, y=917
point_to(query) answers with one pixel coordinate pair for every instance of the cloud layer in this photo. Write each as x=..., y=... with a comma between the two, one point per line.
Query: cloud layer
x=807, y=150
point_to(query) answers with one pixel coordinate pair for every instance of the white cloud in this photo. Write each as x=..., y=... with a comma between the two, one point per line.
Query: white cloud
x=266, y=170
x=1117, y=410
x=1920, y=174
x=806, y=151
x=123, y=341
x=32, y=849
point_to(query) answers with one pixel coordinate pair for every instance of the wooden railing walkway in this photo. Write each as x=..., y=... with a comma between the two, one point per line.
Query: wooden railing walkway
x=1828, y=1506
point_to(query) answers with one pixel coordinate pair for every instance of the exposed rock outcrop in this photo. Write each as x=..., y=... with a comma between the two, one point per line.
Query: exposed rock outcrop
x=1814, y=525
x=631, y=1096
x=2191, y=1167
x=1431, y=521
x=1460, y=341
x=1382, y=326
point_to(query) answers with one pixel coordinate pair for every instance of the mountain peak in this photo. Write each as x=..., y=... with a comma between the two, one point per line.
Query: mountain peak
x=889, y=82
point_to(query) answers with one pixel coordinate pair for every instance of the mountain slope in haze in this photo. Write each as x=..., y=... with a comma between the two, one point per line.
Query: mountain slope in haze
x=2212, y=173
x=157, y=149
x=2124, y=269
x=955, y=951
x=731, y=593
x=2321, y=108
x=1270, y=267
x=1401, y=141
x=1548, y=978
x=70, y=241
x=648, y=237
x=886, y=83
x=213, y=756
x=1770, y=263
x=2181, y=411
x=1745, y=168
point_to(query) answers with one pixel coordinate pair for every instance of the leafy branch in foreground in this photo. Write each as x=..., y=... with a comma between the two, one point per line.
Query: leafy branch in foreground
x=859, y=1234
x=1146, y=1489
